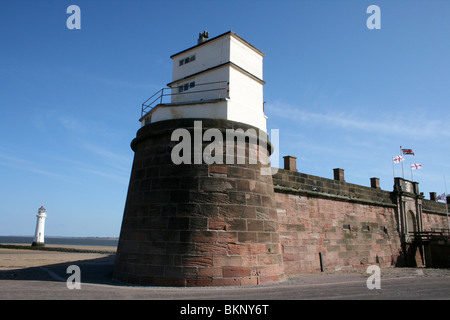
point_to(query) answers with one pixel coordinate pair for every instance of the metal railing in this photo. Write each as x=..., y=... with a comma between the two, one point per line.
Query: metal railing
x=426, y=236
x=220, y=88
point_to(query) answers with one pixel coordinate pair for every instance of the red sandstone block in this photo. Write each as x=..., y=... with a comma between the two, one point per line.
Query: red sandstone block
x=275, y=237
x=243, y=185
x=217, y=224
x=229, y=272
x=199, y=236
x=211, y=248
x=218, y=169
x=250, y=281
x=270, y=226
x=255, y=225
x=199, y=282
x=238, y=249
x=227, y=261
x=258, y=248
x=211, y=272
x=273, y=248
x=247, y=237
x=197, y=261
x=271, y=270
x=227, y=237
x=288, y=257
x=222, y=282
x=253, y=199
x=249, y=261
x=264, y=259
x=236, y=224
x=264, y=237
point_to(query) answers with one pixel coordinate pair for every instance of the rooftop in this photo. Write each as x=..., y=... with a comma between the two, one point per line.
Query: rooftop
x=220, y=36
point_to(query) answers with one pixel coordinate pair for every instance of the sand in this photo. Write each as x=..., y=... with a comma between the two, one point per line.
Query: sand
x=23, y=258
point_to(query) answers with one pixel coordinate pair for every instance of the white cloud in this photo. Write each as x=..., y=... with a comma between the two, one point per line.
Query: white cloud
x=414, y=123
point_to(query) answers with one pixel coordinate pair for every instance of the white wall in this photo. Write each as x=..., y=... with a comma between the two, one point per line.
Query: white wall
x=246, y=93
x=246, y=57
x=207, y=56
x=216, y=75
x=246, y=100
x=216, y=110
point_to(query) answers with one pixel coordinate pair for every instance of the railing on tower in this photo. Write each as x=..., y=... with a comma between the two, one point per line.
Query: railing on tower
x=187, y=93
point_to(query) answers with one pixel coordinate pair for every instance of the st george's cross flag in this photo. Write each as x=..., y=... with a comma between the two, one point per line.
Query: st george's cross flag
x=416, y=166
x=398, y=159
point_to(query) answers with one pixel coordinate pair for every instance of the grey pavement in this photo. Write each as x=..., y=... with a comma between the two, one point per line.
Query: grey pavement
x=49, y=282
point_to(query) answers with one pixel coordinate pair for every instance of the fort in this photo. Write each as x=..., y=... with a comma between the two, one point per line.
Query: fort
x=216, y=224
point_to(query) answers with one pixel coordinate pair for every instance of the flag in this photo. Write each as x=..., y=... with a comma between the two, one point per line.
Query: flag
x=441, y=197
x=416, y=166
x=398, y=159
x=408, y=151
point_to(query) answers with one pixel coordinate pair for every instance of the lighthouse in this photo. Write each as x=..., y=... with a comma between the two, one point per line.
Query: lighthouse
x=40, y=224
x=200, y=211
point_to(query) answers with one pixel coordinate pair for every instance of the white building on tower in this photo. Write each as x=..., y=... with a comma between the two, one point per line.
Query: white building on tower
x=219, y=78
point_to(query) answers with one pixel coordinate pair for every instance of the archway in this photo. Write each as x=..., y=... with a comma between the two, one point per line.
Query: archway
x=411, y=223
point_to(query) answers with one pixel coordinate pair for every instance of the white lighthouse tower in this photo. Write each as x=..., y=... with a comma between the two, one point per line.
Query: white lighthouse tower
x=40, y=224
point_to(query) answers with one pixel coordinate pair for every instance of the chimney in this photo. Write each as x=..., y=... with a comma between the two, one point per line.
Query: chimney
x=202, y=37
x=433, y=196
x=375, y=183
x=339, y=174
x=290, y=163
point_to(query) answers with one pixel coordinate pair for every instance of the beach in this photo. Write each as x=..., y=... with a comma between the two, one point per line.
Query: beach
x=27, y=258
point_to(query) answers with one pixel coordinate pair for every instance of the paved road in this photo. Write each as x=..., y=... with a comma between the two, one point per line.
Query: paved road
x=49, y=282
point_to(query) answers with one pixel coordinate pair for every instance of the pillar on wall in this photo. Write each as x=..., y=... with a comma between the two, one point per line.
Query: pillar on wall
x=338, y=174
x=375, y=183
x=433, y=196
x=290, y=163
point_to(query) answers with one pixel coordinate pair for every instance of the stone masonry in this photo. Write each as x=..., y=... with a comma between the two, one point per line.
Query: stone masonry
x=229, y=225
x=197, y=224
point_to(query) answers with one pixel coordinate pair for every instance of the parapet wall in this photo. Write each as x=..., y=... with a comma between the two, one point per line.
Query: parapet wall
x=329, y=224
x=286, y=181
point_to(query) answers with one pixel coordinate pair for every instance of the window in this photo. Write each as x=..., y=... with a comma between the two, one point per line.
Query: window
x=187, y=60
x=346, y=227
x=186, y=86
x=366, y=228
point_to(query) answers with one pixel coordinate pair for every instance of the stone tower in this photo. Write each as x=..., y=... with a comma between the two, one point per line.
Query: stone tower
x=200, y=208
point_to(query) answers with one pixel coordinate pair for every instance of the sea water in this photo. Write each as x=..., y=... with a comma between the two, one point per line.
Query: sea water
x=62, y=240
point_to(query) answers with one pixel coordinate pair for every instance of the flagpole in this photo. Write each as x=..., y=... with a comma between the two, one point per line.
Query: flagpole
x=412, y=177
x=403, y=169
x=446, y=204
x=393, y=168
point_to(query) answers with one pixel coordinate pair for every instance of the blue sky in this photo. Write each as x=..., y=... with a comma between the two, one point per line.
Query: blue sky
x=340, y=94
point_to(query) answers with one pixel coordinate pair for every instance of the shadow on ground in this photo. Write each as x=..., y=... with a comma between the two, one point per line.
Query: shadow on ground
x=95, y=271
